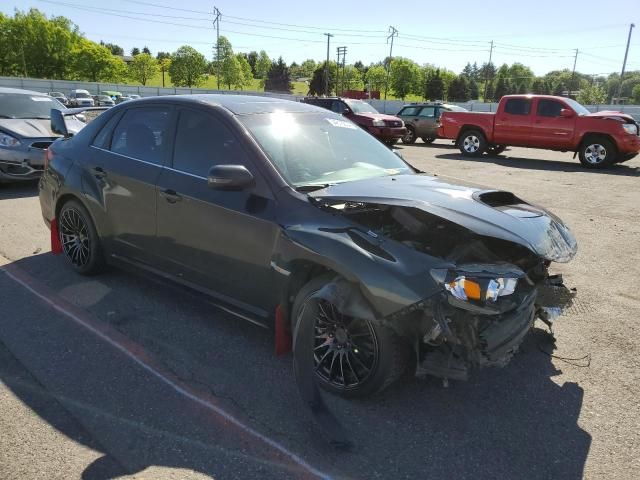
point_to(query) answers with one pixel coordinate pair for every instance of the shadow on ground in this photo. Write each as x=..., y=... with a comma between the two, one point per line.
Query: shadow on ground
x=550, y=165
x=514, y=422
x=18, y=190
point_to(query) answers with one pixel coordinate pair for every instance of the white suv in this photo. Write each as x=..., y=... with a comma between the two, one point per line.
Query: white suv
x=80, y=98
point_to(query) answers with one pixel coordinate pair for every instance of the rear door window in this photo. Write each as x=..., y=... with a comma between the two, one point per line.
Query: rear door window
x=549, y=108
x=518, y=106
x=143, y=134
x=429, y=112
x=203, y=141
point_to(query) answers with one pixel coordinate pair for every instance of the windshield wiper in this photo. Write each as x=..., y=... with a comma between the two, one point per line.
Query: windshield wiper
x=6, y=116
x=313, y=187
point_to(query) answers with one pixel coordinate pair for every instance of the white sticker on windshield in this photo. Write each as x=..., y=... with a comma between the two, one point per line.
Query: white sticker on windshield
x=41, y=99
x=341, y=123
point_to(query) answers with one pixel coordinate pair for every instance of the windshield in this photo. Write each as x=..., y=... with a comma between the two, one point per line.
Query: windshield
x=580, y=110
x=18, y=105
x=321, y=149
x=360, y=107
x=82, y=95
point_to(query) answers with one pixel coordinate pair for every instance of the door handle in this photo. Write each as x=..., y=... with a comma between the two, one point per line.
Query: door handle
x=170, y=195
x=99, y=172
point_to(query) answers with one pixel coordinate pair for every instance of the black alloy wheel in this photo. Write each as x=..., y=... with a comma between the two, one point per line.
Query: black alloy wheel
x=345, y=349
x=79, y=239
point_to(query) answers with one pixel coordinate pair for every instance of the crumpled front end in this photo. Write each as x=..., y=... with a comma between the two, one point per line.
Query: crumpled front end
x=480, y=294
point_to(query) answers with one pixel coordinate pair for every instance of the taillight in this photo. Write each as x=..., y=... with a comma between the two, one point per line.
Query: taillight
x=48, y=156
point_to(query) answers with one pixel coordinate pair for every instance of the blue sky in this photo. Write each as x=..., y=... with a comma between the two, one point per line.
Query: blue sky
x=543, y=34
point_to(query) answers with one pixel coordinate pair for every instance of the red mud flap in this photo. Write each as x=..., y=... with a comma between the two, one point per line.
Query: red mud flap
x=56, y=246
x=282, y=333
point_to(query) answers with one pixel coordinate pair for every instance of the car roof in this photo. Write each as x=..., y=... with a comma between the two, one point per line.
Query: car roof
x=20, y=91
x=237, y=104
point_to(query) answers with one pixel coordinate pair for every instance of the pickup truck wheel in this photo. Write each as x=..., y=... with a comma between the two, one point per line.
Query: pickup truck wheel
x=428, y=139
x=409, y=137
x=496, y=149
x=597, y=152
x=472, y=143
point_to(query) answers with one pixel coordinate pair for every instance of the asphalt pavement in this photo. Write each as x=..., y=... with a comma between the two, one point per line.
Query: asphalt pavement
x=123, y=375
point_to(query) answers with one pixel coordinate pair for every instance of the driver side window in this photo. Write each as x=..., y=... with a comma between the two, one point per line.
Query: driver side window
x=203, y=141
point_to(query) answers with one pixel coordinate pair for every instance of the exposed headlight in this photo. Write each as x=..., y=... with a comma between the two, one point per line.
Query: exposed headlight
x=8, y=141
x=378, y=123
x=477, y=289
x=630, y=128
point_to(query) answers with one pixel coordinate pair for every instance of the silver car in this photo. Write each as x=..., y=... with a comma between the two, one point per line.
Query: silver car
x=25, y=132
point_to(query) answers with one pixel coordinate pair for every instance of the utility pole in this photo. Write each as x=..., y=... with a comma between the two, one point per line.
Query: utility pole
x=393, y=32
x=342, y=53
x=216, y=24
x=326, y=67
x=573, y=74
x=624, y=63
x=486, y=74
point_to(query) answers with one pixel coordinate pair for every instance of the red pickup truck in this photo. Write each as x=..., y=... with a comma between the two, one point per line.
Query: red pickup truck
x=542, y=121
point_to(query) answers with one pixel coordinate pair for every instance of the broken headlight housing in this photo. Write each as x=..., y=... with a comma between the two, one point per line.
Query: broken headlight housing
x=478, y=287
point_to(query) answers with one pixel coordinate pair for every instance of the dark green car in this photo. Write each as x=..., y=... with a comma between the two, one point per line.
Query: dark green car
x=423, y=119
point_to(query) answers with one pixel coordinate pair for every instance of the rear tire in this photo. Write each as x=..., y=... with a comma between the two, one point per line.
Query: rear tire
x=352, y=357
x=428, y=139
x=81, y=245
x=496, y=149
x=597, y=152
x=472, y=143
x=390, y=142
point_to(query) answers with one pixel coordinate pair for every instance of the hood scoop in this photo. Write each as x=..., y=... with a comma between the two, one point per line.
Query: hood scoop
x=508, y=203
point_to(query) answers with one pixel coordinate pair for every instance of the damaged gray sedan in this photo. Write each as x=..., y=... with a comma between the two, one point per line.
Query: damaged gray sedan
x=293, y=217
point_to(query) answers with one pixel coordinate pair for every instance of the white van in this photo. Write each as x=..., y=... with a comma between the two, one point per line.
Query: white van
x=80, y=98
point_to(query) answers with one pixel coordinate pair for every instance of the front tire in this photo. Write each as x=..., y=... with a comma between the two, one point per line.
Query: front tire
x=409, y=137
x=80, y=241
x=428, y=139
x=472, y=143
x=352, y=357
x=597, y=152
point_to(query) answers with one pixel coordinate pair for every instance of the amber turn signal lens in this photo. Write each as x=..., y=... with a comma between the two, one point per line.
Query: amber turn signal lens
x=472, y=290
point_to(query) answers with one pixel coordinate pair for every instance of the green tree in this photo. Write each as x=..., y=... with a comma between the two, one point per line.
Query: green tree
x=403, y=76
x=247, y=74
x=307, y=68
x=459, y=89
x=135, y=51
x=263, y=65
x=316, y=86
x=278, y=78
x=474, y=90
x=115, y=49
x=350, y=78
x=95, y=63
x=434, y=86
x=592, y=95
x=188, y=67
x=521, y=77
x=252, y=58
x=502, y=87
x=146, y=50
x=164, y=64
x=375, y=78
x=231, y=71
x=142, y=68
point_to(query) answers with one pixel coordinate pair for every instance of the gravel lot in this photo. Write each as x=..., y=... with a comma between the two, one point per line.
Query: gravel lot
x=71, y=405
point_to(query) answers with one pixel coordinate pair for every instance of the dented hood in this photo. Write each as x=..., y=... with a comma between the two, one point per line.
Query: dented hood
x=486, y=212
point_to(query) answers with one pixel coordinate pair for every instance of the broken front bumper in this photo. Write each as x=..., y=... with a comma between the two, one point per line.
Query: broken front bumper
x=25, y=162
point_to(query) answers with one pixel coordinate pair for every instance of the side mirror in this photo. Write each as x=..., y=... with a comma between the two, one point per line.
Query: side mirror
x=566, y=113
x=58, y=124
x=346, y=111
x=81, y=117
x=229, y=177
